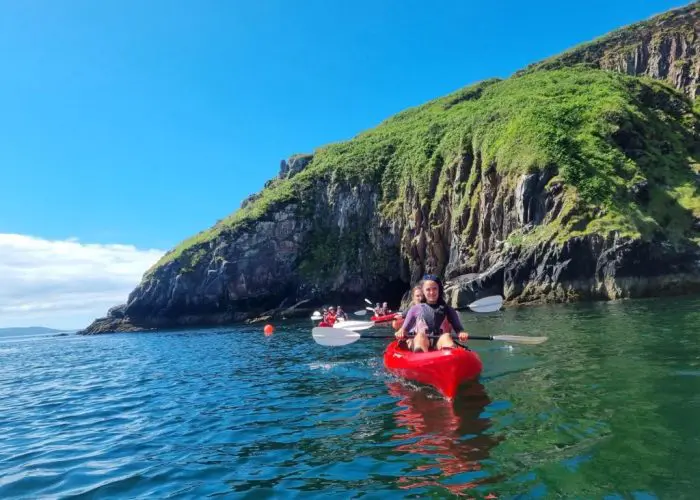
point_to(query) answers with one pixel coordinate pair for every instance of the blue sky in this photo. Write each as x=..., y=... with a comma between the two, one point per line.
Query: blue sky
x=142, y=122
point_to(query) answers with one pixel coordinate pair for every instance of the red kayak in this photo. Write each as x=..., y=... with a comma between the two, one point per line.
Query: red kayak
x=384, y=319
x=445, y=370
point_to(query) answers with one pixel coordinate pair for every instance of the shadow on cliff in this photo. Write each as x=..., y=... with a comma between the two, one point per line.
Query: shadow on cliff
x=663, y=150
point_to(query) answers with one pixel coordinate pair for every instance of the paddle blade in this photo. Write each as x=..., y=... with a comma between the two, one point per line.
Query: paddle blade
x=487, y=304
x=367, y=300
x=517, y=339
x=360, y=313
x=370, y=309
x=354, y=325
x=333, y=337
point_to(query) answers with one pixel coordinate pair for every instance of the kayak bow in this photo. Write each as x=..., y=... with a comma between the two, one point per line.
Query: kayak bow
x=445, y=369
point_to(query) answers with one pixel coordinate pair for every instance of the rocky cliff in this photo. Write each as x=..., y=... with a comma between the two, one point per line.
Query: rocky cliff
x=558, y=184
x=665, y=47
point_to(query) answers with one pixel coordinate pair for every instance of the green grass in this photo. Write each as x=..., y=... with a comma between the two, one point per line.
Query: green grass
x=625, y=40
x=601, y=131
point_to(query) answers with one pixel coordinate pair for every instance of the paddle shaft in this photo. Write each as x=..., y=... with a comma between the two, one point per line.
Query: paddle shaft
x=454, y=337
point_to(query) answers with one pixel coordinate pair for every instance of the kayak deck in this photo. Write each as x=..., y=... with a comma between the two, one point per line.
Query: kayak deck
x=445, y=369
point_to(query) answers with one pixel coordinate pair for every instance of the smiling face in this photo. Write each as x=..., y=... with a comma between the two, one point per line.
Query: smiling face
x=417, y=295
x=431, y=290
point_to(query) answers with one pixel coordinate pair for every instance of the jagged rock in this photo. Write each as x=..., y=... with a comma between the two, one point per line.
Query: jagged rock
x=640, y=191
x=666, y=47
x=117, y=312
x=294, y=165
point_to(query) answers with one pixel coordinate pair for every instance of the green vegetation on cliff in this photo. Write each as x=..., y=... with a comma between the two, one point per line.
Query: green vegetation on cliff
x=625, y=148
x=679, y=22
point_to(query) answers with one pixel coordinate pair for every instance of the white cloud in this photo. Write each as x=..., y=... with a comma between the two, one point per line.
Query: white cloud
x=65, y=284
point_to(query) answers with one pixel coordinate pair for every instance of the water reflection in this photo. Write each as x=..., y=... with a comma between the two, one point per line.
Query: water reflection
x=447, y=438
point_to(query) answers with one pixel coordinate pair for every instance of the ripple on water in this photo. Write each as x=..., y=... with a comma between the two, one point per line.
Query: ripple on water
x=606, y=407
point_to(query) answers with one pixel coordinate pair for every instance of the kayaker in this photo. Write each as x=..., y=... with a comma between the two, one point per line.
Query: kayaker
x=433, y=312
x=385, y=308
x=378, y=311
x=330, y=316
x=417, y=296
x=340, y=314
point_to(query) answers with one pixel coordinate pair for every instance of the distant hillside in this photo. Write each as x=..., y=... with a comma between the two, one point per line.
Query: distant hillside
x=29, y=330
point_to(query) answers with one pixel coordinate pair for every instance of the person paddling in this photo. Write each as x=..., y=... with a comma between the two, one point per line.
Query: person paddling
x=416, y=298
x=426, y=318
x=330, y=316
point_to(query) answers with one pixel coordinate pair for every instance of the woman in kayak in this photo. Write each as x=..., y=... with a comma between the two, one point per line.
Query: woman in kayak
x=431, y=314
x=417, y=296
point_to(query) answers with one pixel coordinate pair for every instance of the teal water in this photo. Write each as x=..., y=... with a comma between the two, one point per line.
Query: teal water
x=609, y=407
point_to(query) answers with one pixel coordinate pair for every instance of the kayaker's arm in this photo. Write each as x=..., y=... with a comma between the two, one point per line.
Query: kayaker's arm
x=408, y=323
x=454, y=320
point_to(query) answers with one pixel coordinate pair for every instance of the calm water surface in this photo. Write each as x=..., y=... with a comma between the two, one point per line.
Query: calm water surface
x=609, y=407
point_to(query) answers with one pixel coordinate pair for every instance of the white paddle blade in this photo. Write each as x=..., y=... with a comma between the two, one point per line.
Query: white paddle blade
x=371, y=309
x=360, y=313
x=333, y=337
x=517, y=339
x=487, y=304
x=367, y=300
x=354, y=325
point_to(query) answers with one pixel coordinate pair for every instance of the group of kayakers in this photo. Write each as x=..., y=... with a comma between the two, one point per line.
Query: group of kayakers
x=332, y=314
x=382, y=309
x=429, y=319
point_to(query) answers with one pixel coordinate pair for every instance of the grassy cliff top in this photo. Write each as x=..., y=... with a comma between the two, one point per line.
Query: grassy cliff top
x=604, y=132
x=682, y=21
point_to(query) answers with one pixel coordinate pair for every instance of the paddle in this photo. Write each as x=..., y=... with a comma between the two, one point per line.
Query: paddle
x=339, y=337
x=492, y=303
x=367, y=300
x=361, y=312
x=334, y=336
x=353, y=325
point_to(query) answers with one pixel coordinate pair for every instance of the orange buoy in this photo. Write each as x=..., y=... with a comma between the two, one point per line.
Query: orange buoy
x=269, y=329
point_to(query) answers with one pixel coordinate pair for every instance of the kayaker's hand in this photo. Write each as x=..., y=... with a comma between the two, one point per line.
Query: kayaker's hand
x=399, y=334
x=463, y=336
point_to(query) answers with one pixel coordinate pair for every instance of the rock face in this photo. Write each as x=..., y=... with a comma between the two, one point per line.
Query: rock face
x=666, y=47
x=592, y=195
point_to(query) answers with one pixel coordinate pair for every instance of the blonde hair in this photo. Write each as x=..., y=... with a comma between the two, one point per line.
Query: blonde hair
x=419, y=286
